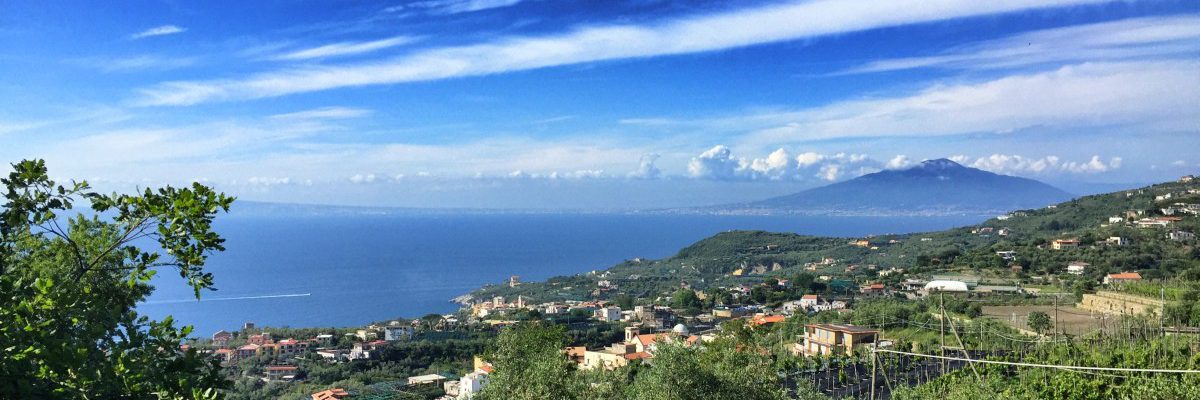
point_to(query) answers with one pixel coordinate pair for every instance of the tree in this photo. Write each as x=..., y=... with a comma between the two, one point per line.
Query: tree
x=724, y=369
x=685, y=299
x=529, y=365
x=69, y=285
x=624, y=301
x=1039, y=321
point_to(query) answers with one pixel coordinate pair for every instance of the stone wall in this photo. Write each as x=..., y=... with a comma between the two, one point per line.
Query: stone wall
x=1120, y=303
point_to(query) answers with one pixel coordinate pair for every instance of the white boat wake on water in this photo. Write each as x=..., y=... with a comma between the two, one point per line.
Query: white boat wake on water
x=202, y=299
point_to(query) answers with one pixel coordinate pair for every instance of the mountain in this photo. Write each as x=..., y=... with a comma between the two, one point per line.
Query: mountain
x=934, y=187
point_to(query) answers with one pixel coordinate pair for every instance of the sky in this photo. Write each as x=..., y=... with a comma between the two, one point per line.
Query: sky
x=608, y=104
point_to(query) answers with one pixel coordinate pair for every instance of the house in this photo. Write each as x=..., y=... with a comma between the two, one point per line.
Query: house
x=609, y=314
x=221, y=338
x=1016, y=268
x=1116, y=219
x=1062, y=244
x=246, y=351
x=1077, y=267
x=366, y=350
x=1186, y=178
x=434, y=379
x=260, y=339
x=861, y=243
x=1004, y=232
x=280, y=372
x=1007, y=255
x=809, y=301
x=1112, y=279
x=766, y=320
x=331, y=394
x=1117, y=241
x=394, y=333
x=1158, y=222
x=874, y=289
x=832, y=339
x=223, y=354
x=1181, y=236
x=471, y=384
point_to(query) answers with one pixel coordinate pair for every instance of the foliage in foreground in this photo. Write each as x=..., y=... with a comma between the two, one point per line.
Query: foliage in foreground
x=69, y=284
x=530, y=365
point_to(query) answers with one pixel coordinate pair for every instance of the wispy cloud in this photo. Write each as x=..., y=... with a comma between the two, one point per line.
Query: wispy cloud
x=444, y=7
x=324, y=113
x=1149, y=96
x=597, y=43
x=1135, y=38
x=345, y=48
x=158, y=31
x=137, y=63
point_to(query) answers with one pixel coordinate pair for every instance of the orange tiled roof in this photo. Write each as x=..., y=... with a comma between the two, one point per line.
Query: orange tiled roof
x=637, y=356
x=768, y=319
x=331, y=394
x=1126, y=275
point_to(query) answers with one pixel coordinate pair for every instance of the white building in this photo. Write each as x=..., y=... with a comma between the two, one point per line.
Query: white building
x=609, y=314
x=471, y=384
x=394, y=333
x=1117, y=241
x=1077, y=267
x=1181, y=236
x=946, y=286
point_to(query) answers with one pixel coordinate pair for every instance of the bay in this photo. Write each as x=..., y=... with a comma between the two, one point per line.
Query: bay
x=349, y=270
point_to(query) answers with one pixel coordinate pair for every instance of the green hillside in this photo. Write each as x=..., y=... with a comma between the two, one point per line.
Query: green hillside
x=716, y=261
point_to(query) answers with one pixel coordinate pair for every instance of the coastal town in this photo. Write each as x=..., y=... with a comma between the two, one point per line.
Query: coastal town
x=816, y=299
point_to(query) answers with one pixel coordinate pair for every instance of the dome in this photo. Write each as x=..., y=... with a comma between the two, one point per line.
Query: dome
x=946, y=286
x=680, y=329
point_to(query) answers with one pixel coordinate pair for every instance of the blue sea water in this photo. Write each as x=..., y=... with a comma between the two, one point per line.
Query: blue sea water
x=347, y=270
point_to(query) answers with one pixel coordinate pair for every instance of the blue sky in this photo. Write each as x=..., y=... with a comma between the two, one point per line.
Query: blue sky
x=613, y=104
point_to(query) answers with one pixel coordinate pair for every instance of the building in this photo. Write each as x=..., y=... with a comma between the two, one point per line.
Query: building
x=1063, y=244
x=394, y=333
x=471, y=384
x=1007, y=255
x=608, y=314
x=1116, y=219
x=260, y=339
x=1181, y=236
x=1077, y=267
x=1113, y=279
x=832, y=339
x=1117, y=241
x=324, y=340
x=366, y=350
x=514, y=281
x=946, y=286
x=221, y=338
x=809, y=301
x=331, y=394
x=434, y=379
x=246, y=351
x=874, y=289
x=280, y=372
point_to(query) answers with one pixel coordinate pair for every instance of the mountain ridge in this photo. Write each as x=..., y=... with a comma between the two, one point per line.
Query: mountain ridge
x=933, y=187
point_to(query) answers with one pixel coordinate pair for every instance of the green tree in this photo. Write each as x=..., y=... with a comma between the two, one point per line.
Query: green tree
x=1039, y=321
x=685, y=299
x=624, y=301
x=69, y=285
x=725, y=369
x=530, y=365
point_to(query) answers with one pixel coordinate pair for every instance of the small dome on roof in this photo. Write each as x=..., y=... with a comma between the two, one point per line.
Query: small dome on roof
x=680, y=329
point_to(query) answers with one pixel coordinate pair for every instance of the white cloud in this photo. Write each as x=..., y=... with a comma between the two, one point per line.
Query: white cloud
x=1017, y=164
x=1153, y=96
x=345, y=48
x=646, y=168
x=719, y=163
x=158, y=31
x=325, y=113
x=137, y=63
x=443, y=7
x=716, y=163
x=774, y=23
x=363, y=178
x=1135, y=38
x=898, y=162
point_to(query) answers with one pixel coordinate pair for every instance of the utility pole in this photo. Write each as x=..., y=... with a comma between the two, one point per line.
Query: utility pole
x=942, y=329
x=1056, y=318
x=874, y=360
x=1162, y=313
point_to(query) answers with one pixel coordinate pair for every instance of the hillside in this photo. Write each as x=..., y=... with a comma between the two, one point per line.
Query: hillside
x=716, y=261
x=935, y=187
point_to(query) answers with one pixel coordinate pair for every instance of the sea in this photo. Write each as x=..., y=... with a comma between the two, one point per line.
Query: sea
x=350, y=270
